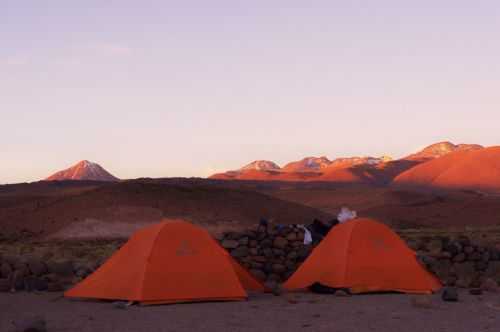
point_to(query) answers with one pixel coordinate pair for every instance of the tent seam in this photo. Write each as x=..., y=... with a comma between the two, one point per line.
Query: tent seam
x=347, y=253
x=141, y=289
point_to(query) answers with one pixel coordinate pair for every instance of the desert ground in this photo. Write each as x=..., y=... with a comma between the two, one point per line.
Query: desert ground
x=40, y=218
x=262, y=312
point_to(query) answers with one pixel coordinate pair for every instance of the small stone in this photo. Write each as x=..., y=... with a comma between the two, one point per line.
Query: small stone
x=34, y=324
x=253, y=251
x=449, y=294
x=271, y=284
x=61, y=268
x=341, y=293
x=256, y=265
x=276, y=290
x=230, y=244
x=463, y=282
x=464, y=241
x=422, y=301
x=278, y=252
x=280, y=242
x=35, y=284
x=266, y=243
x=240, y=252
x=5, y=270
x=243, y=241
x=481, y=265
x=258, y=274
x=17, y=280
x=278, y=268
x=454, y=248
x=268, y=252
x=55, y=287
x=291, y=236
x=476, y=291
x=260, y=259
x=475, y=256
x=459, y=258
x=468, y=250
x=233, y=236
x=5, y=285
x=450, y=281
x=120, y=305
x=435, y=246
x=486, y=256
x=37, y=267
x=292, y=255
x=490, y=285
x=274, y=277
x=290, y=265
x=253, y=243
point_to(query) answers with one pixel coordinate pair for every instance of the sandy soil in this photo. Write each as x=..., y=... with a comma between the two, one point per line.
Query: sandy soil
x=263, y=312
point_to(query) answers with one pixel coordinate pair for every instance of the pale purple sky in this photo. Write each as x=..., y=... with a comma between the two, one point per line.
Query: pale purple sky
x=189, y=88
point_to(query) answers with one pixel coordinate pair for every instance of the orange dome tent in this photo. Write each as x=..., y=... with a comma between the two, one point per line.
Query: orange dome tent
x=168, y=262
x=363, y=256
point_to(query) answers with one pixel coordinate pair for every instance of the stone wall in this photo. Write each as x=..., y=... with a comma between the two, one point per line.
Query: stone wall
x=270, y=253
x=458, y=262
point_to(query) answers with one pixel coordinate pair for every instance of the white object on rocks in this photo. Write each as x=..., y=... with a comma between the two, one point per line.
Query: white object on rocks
x=346, y=214
x=307, y=235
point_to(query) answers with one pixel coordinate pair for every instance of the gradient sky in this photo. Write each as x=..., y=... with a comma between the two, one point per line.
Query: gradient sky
x=189, y=88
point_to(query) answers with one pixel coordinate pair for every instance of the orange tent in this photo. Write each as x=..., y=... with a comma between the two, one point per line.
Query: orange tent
x=364, y=256
x=169, y=262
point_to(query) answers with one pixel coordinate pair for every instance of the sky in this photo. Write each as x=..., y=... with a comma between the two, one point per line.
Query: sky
x=190, y=88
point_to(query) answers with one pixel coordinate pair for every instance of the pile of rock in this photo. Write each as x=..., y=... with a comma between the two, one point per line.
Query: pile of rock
x=459, y=262
x=34, y=274
x=270, y=253
x=273, y=253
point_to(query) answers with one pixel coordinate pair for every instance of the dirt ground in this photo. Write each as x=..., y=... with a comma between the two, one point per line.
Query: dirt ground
x=262, y=312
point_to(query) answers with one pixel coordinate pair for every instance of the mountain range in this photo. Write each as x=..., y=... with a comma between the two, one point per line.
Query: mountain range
x=376, y=170
x=442, y=164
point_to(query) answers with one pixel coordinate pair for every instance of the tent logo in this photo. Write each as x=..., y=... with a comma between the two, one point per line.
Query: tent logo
x=185, y=249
